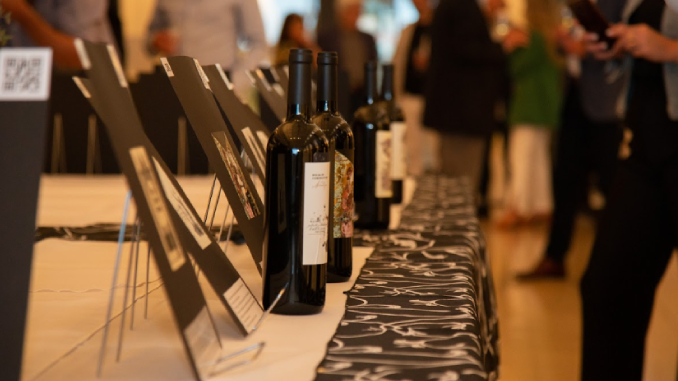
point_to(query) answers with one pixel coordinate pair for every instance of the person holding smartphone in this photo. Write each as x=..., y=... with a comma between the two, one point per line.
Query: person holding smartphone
x=639, y=228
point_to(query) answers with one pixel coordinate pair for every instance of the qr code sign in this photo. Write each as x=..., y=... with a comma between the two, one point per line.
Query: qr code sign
x=25, y=74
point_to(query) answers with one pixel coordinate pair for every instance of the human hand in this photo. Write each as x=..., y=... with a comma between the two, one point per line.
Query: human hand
x=569, y=43
x=514, y=39
x=601, y=49
x=644, y=42
x=165, y=42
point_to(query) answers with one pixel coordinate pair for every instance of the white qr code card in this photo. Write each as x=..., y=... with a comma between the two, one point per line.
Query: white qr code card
x=25, y=74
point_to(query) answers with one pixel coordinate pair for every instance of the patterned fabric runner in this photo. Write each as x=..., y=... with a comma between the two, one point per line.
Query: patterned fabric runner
x=423, y=306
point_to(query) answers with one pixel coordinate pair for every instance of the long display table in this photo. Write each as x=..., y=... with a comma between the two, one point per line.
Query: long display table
x=433, y=267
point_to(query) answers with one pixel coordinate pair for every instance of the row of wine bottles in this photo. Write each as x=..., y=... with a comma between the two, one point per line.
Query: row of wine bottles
x=315, y=164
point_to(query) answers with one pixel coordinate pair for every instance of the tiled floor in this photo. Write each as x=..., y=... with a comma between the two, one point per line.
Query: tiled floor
x=540, y=324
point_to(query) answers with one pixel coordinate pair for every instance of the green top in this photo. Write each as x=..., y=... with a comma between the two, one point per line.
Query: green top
x=537, y=85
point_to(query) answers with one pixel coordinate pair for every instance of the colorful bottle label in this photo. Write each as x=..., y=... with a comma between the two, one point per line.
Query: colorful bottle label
x=383, y=186
x=398, y=166
x=316, y=212
x=343, y=195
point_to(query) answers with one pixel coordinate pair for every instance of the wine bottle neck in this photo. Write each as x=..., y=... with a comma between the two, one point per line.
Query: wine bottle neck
x=326, y=106
x=370, y=86
x=298, y=110
x=299, y=89
x=327, y=87
x=387, y=93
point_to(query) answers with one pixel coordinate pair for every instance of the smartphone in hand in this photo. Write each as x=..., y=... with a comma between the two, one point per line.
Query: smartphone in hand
x=589, y=16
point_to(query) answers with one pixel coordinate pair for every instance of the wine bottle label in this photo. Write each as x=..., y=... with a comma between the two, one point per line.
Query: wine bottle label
x=156, y=203
x=398, y=167
x=383, y=186
x=235, y=173
x=181, y=208
x=316, y=212
x=343, y=195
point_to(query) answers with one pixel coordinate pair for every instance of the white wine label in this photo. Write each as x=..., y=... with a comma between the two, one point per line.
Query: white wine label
x=25, y=74
x=236, y=174
x=116, y=65
x=316, y=212
x=383, y=186
x=224, y=77
x=159, y=212
x=203, y=76
x=398, y=166
x=82, y=54
x=166, y=65
x=263, y=138
x=264, y=81
x=81, y=86
x=343, y=196
x=181, y=208
x=278, y=89
x=245, y=307
x=203, y=343
x=259, y=155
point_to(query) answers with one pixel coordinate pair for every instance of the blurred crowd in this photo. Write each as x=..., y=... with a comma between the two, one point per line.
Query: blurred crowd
x=577, y=114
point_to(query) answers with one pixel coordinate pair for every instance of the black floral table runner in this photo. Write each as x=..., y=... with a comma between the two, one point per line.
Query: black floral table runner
x=423, y=306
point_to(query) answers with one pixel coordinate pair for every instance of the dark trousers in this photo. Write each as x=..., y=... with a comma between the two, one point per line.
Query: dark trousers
x=636, y=236
x=584, y=146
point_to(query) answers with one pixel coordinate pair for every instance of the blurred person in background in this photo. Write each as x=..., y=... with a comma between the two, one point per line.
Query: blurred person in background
x=411, y=64
x=639, y=227
x=230, y=33
x=534, y=111
x=354, y=47
x=464, y=82
x=57, y=24
x=587, y=143
x=292, y=36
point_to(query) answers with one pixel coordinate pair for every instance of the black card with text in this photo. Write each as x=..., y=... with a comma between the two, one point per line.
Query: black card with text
x=253, y=136
x=192, y=88
x=170, y=222
x=25, y=75
x=274, y=96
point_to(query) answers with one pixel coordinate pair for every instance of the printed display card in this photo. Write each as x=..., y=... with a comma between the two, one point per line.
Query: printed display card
x=316, y=212
x=383, y=187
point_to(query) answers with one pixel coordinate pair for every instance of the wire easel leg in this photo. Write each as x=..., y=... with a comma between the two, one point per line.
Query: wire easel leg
x=109, y=311
x=209, y=200
x=136, y=268
x=124, y=303
x=148, y=273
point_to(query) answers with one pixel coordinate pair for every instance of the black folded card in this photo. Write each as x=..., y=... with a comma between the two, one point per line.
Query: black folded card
x=171, y=225
x=193, y=90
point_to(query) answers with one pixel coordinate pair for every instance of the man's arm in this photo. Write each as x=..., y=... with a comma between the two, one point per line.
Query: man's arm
x=43, y=34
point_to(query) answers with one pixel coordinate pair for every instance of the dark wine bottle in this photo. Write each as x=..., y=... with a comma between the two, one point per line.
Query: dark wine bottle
x=297, y=201
x=342, y=149
x=373, y=184
x=398, y=130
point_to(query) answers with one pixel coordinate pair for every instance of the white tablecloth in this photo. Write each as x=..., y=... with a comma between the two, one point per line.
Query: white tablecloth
x=70, y=288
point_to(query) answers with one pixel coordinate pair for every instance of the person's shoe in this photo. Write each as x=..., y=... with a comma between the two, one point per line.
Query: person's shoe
x=546, y=269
